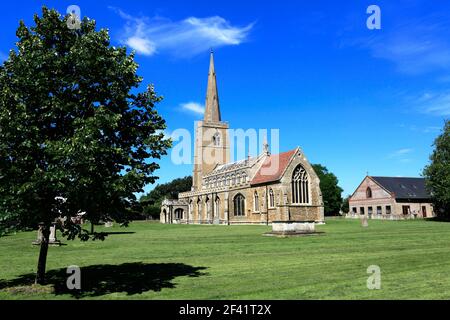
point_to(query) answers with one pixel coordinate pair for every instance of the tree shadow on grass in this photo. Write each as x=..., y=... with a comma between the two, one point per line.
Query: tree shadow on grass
x=98, y=280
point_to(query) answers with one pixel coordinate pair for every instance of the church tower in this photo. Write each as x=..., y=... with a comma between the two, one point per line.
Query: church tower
x=212, y=146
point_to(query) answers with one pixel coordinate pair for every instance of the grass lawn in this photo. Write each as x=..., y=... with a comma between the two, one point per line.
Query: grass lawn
x=154, y=261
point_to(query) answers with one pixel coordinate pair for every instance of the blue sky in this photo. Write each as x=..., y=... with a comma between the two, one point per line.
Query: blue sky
x=356, y=100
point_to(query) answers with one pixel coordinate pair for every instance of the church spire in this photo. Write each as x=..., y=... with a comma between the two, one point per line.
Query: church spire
x=212, y=109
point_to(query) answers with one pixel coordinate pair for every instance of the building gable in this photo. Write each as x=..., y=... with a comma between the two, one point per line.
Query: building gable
x=377, y=191
x=273, y=168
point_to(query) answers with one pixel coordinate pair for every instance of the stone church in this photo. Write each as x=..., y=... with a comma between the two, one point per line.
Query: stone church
x=256, y=190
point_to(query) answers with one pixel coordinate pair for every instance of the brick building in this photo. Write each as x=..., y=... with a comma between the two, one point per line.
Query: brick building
x=391, y=198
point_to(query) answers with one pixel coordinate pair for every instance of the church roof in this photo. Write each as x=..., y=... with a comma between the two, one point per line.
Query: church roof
x=231, y=166
x=404, y=188
x=267, y=173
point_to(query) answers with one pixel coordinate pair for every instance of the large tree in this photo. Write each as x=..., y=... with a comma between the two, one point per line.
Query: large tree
x=151, y=202
x=437, y=173
x=72, y=126
x=331, y=192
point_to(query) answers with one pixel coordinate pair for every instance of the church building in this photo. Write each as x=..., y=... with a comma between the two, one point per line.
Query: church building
x=256, y=190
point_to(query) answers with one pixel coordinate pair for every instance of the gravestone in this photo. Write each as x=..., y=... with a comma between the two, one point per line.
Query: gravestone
x=52, y=240
x=364, y=222
x=109, y=224
x=40, y=236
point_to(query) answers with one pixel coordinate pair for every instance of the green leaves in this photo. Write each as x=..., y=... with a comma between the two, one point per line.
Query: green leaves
x=71, y=128
x=331, y=192
x=437, y=173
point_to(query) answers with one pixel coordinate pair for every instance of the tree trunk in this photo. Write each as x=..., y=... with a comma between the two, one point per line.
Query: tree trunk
x=92, y=227
x=42, y=262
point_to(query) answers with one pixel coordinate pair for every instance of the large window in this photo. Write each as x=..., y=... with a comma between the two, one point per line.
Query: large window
x=379, y=210
x=388, y=209
x=406, y=210
x=179, y=214
x=256, y=202
x=271, y=199
x=368, y=193
x=300, y=186
x=239, y=205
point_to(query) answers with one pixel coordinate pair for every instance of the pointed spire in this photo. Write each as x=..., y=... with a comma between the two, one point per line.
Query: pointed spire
x=212, y=109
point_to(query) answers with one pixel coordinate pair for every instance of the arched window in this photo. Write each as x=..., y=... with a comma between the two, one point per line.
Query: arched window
x=239, y=205
x=216, y=139
x=179, y=214
x=300, y=186
x=368, y=193
x=256, y=202
x=271, y=199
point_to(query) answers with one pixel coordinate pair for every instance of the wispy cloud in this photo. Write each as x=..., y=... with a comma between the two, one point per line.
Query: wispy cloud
x=184, y=38
x=415, y=46
x=435, y=103
x=194, y=107
x=401, y=155
x=431, y=102
x=422, y=128
x=400, y=152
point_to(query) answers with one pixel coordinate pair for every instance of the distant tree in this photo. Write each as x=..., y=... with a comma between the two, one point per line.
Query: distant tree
x=345, y=207
x=331, y=192
x=151, y=202
x=70, y=128
x=437, y=173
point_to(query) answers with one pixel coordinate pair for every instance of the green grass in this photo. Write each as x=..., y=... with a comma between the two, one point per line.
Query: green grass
x=237, y=262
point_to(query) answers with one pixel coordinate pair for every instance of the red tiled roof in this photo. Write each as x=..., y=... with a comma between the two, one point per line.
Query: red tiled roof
x=273, y=167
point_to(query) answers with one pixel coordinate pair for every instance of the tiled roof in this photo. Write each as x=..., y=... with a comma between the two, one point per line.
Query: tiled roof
x=404, y=188
x=267, y=173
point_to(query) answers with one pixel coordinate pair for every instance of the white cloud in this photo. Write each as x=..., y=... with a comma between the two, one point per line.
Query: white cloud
x=400, y=152
x=184, y=38
x=435, y=103
x=141, y=45
x=401, y=155
x=167, y=134
x=415, y=46
x=194, y=107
